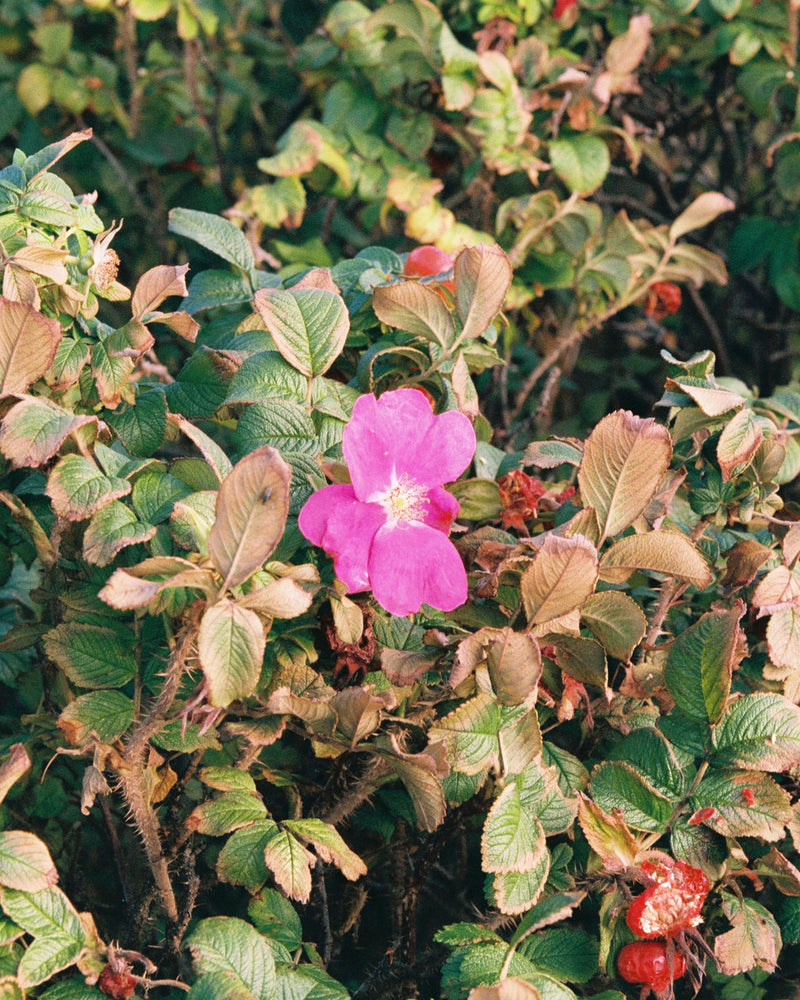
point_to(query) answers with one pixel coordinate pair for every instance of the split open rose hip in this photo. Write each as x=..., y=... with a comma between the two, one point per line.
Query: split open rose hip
x=388, y=530
x=671, y=903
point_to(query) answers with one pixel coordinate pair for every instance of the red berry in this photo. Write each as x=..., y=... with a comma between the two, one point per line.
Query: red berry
x=428, y=261
x=117, y=983
x=663, y=298
x=562, y=6
x=671, y=903
x=647, y=962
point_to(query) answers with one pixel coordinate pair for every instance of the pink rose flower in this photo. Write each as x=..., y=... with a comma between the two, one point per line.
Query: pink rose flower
x=387, y=532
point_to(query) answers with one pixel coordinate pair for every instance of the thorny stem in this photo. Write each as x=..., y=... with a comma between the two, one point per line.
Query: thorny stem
x=132, y=777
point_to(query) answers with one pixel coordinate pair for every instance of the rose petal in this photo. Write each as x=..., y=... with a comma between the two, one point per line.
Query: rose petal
x=398, y=435
x=442, y=509
x=414, y=564
x=344, y=526
x=445, y=451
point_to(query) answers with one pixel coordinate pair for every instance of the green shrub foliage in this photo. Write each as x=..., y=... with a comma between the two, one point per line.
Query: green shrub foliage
x=221, y=772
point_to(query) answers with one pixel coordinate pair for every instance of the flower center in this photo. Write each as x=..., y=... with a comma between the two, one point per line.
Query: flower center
x=406, y=501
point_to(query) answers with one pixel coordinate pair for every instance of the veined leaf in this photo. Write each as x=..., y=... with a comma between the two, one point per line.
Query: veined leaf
x=761, y=732
x=738, y=443
x=25, y=862
x=226, y=813
x=701, y=661
x=470, y=734
x=783, y=638
x=106, y=713
x=90, y=655
x=241, y=860
x=744, y=804
x=753, y=941
x=618, y=785
x=664, y=552
x=308, y=325
x=329, y=845
x=482, y=276
x=513, y=838
x=157, y=284
x=291, y=865
x=78, y=488
x=28, y=342
x=230, y=646
x=252, y=507
x=215, y=234
x=230, y=945
x=111, y=529
x=57, y=929
x=623, y=461
x=35, y=428
x=516, y=892
x=417, y=309
x=562, y=575
x=616, y=621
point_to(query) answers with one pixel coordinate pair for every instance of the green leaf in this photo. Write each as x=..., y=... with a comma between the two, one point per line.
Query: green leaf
x=241, y=860
x=92, y=656
x=562, y=575
x=582, y=658
x=141, y=427
x=470, y=734
x=215, y=234
x=551, y=454
x=701, y=661
x=226, y=813
x=219, y=986
x=307, y=982
x=513, y=839
x=230, y=945
x=155, y=494
x=59, y=935
x=25, y=862
x=515, y=892
x=547, y=911
x=309, y=325
x=47, y=208
x=568, y=953
x=290, y=864
x=35, y=428
x=616, y=621
x=541, y=795
x=266, y=375
x=745, y=804
x=252, y=507
x=329, y=845
x=202, y=384
x=78, y=488
x=275, y=917
x=230, y=645
x=667, y=769
x=618, y=785
x=285, y=425
x=760, y=732
x=228, y=779
x=106, y=713
x=111, y=529
x=582, y=161
x=623, y=461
